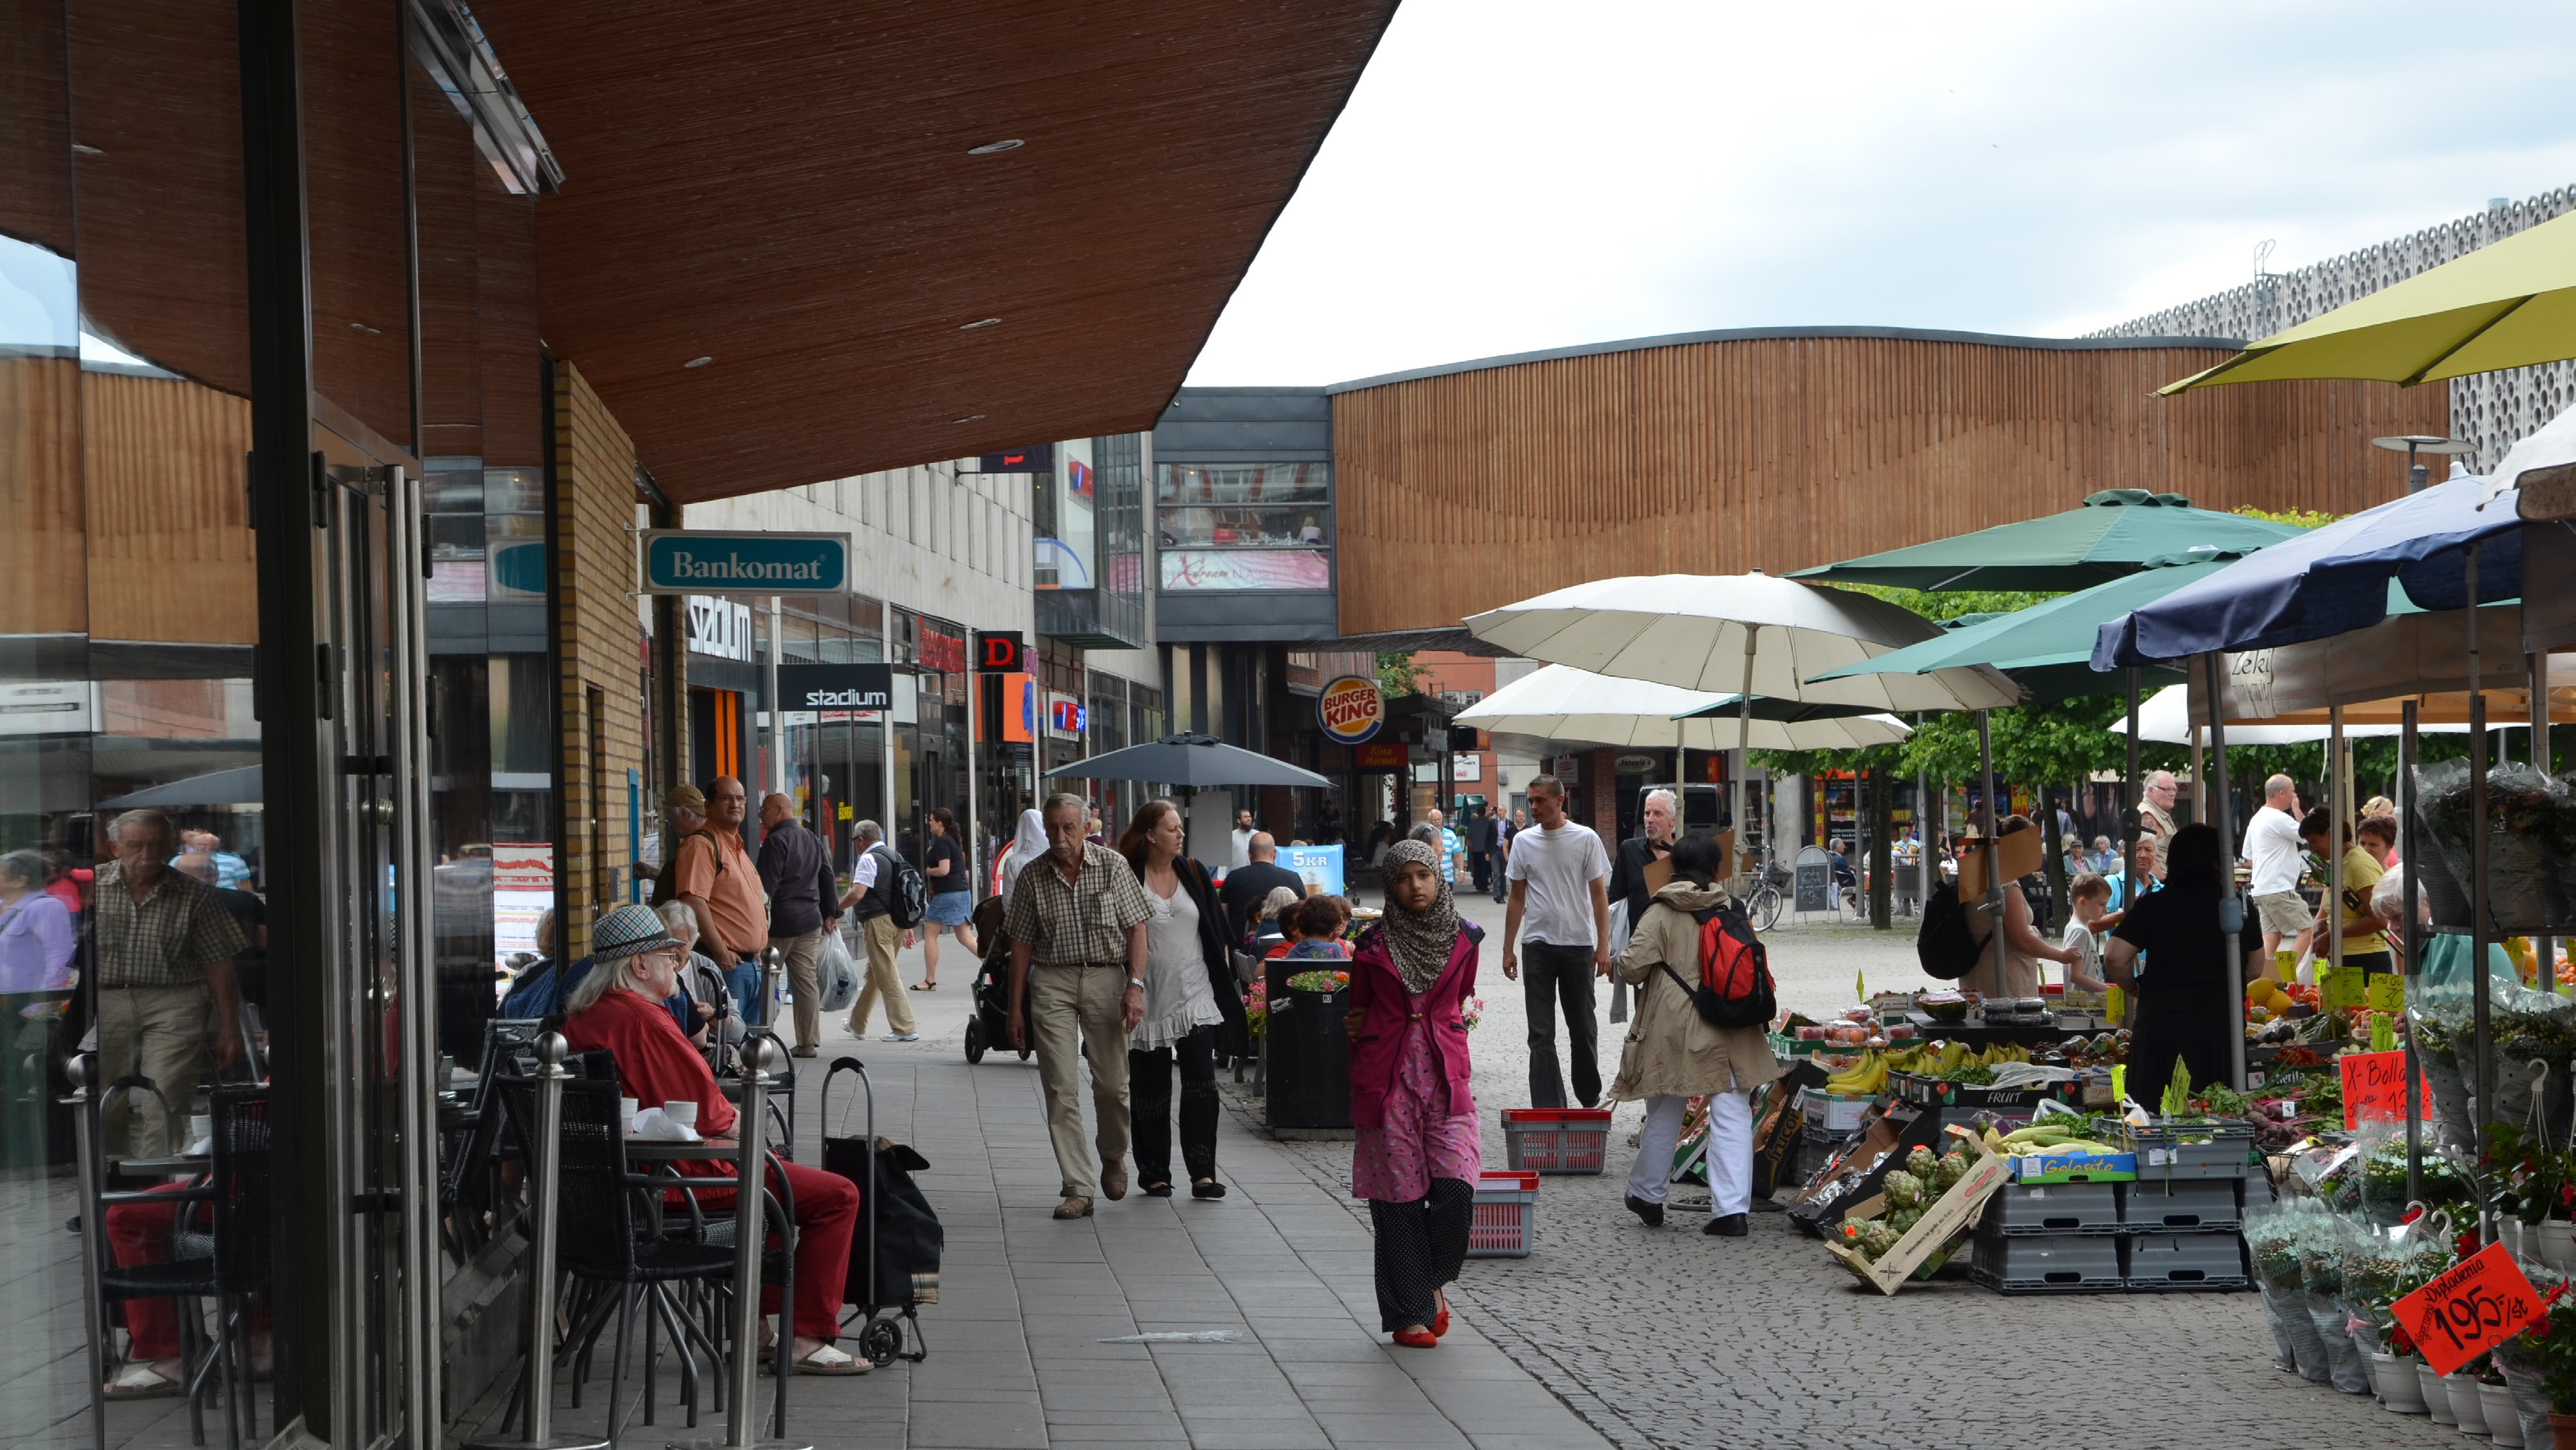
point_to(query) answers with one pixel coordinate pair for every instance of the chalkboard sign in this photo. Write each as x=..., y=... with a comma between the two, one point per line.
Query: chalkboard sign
x=1815, y=886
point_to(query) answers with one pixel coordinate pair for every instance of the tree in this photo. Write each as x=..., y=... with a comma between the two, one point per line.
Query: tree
x=1397, y=674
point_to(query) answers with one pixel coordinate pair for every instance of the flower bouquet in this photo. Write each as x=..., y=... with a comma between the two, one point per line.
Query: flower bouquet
x=1326, y=982
x=1471, y=1012
x=1256, y=1006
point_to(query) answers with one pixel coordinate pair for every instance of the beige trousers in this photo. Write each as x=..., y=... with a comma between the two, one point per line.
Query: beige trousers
x=804, y=956
x=159, y=1033
x=1077, y=1013
x=883, y=940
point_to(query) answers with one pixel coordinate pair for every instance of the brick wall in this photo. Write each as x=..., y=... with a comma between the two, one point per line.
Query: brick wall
x=599, y=699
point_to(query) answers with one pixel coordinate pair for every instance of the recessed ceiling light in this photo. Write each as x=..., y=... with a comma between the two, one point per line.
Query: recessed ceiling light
x=80, y=150
x=979, y=322
x=697, y=362
x=994, y=148
x=969, y=418
x=369, y=331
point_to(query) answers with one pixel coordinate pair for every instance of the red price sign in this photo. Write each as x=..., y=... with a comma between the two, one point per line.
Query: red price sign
x=2469, y=1310
x=2374, y=1089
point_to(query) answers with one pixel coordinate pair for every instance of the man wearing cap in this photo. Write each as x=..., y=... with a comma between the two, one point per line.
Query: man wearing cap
x=804, y=903
x=713, y=872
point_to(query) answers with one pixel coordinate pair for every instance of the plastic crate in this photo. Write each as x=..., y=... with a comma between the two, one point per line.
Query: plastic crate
x=2020, y=1209
x=2163, y=1153
x=2048, y=1263
x=2187, y=1261
x=1557, y=1140
x=2183, y=1206
x=1505, y=1213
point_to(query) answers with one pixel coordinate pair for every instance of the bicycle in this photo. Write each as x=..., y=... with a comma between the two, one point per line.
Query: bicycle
x=1761, y=896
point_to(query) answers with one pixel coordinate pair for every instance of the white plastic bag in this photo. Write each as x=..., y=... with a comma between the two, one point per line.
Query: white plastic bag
x=837, y=974
x=1618, y=944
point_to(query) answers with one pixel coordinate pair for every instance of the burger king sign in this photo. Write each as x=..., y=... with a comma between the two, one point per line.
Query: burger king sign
x=1350, y=709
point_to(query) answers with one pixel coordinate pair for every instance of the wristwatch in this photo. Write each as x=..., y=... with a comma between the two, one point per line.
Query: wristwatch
x=1136, y=982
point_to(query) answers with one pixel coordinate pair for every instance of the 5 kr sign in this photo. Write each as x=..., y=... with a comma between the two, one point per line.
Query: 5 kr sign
x=2469, y=1310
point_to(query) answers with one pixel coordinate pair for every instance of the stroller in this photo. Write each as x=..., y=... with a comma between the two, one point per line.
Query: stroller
x=990, y=1026
x=894, y=1265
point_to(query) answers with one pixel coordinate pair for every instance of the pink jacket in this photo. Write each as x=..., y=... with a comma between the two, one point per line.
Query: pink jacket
x=1377, y=989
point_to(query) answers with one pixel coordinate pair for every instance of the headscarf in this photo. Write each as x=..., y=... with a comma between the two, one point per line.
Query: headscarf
x=1027, y=846
x=1419, y=942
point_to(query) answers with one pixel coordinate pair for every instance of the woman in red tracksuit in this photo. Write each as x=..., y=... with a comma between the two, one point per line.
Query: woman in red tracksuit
x=1418, y=1147
x=618, y=1008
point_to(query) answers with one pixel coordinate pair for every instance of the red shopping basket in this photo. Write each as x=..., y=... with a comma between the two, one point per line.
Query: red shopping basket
x=1506, y=1213
x=1557, y=1140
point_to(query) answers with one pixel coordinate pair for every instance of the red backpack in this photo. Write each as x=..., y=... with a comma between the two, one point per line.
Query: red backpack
x=1735, y=987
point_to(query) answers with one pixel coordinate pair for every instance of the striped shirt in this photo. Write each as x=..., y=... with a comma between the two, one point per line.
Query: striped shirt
x=1083, y=920
x=164, y=940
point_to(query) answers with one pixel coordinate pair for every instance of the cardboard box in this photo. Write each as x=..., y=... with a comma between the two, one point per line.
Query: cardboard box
x=1827, y=1113
x=1853, y=1175
x=1950, y=1218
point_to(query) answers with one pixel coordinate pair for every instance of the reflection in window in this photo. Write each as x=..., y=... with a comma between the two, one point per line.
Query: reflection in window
x=1244, y=526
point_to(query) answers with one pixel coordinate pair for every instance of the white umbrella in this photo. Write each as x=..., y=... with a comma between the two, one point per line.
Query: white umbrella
x=1561, y=703
x=2166, y=716
x=1731, y=633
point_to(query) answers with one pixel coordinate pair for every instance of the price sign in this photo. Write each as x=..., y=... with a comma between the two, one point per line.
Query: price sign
x=2469, y=1310
x=2374, y=1089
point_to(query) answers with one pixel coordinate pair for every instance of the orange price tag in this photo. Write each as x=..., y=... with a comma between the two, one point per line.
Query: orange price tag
x=2374, y=1089
x=2472, y=1308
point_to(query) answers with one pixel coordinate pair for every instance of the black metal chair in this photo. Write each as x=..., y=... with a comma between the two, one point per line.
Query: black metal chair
x=220, y=1251
x=471, y=1136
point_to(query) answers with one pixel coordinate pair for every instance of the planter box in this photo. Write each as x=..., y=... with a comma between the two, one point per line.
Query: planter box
x=1306, y=1057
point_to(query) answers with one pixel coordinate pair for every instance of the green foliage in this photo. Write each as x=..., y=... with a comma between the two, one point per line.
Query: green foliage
x=1399, y=675
x=2295, y=518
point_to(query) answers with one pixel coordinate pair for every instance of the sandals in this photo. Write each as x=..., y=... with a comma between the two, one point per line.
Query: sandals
x=925, y=986
x=825, y=1359
x=141, y=1381
x=1074, y=1206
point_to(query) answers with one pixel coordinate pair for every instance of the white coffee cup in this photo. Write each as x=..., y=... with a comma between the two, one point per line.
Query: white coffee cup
x=626, y=1116
x=201, y=1126
x=683, y=1113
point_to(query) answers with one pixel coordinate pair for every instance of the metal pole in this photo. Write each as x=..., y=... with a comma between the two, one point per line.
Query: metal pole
x=2214, y=669
x=2336, y=817
x=773, y=963
x=2135, y=800
x=1986, y=842
x=2544, y=948
x=1924, y=834
x=885, y=808
x=2480, y=986
x=974, y=822
x=85, y=1131
x=1743, y=736
x=760, y=1059
x=545, y=1194
x=2413, y=938
x=777, y=707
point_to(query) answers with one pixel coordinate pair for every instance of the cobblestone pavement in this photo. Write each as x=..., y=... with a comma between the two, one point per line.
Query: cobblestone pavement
x=1666, y=1338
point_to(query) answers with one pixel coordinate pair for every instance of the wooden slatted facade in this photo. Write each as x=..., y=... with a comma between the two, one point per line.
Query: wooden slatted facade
x=1473, y=487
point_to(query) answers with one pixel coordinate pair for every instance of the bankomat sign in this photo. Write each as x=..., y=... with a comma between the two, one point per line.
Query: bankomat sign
x=690, y=561
x=836, y=687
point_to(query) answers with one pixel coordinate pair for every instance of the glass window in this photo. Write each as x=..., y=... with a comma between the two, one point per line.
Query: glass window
x=1245, y=526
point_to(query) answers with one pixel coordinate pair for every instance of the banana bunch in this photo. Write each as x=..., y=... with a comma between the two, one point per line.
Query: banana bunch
x=1865, y=1078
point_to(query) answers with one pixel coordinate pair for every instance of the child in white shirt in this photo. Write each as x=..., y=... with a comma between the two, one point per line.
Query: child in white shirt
x=2091, y=896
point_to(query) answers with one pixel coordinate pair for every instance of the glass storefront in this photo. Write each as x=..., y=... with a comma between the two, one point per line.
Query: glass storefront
x=1244, y=526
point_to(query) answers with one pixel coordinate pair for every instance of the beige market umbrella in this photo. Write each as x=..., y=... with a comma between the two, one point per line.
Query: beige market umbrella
x=1561, y=703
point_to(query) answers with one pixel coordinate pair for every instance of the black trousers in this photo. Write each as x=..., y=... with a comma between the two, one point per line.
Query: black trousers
x=1419, y=1248
x=1552, y=976
x=1149, y=1107
x=1483, y=867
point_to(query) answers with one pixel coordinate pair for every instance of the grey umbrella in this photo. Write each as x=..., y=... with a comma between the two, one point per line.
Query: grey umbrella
x=238, y=786
x=1188, y=760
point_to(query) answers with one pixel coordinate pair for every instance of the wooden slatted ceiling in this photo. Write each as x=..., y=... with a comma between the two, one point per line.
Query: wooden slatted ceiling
x=784, y=187
x=1468, y=490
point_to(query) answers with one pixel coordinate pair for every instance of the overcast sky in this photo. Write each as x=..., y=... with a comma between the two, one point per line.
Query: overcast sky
x=1514, y=175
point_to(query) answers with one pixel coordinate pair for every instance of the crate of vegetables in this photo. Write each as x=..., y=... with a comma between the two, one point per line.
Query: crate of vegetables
x=2191, y=1147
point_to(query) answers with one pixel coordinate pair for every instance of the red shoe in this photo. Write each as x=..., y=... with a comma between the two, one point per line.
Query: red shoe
x=1417, y=1339
x=1440, y=1326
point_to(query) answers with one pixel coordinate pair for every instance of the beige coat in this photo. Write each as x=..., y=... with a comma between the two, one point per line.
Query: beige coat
x=1672, y=1050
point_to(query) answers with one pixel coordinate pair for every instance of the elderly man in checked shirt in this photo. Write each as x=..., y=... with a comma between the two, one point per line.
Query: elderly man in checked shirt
x=1077, y=926
x=165, y=960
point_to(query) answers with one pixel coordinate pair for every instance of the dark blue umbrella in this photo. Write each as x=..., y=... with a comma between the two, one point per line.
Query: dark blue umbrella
x=1188, y=760
x=2332, y=580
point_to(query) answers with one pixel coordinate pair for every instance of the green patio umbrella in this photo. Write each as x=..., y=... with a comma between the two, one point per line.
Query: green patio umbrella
x=2047, y=649
x=2115, y=533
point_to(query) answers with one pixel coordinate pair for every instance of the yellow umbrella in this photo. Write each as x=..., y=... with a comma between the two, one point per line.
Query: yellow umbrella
x=2508, y=305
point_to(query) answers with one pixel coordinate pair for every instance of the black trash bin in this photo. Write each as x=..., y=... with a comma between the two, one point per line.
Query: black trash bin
x=1307, y=1059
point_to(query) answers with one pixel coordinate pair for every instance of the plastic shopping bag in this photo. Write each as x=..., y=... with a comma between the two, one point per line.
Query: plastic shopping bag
x=838, y=975
x=1618, y=944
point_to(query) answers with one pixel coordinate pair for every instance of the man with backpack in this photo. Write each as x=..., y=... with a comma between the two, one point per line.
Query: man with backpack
x=886, y=906
x=711, y=869
x=1704, y=1001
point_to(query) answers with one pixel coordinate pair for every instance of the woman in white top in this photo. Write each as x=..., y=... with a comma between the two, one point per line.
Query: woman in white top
x=1190, y=998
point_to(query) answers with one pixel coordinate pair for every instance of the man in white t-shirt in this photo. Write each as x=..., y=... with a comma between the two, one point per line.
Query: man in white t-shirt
x=1241, y=856
x=2272, y=845
x=1559, y=918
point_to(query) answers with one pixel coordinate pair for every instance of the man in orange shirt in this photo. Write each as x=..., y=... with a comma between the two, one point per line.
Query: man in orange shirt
x=713, y=872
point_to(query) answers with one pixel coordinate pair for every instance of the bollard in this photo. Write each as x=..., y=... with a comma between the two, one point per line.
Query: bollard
x=760, y=1058
x=545, y=1192
x=773, y=963
x=85, y=1130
